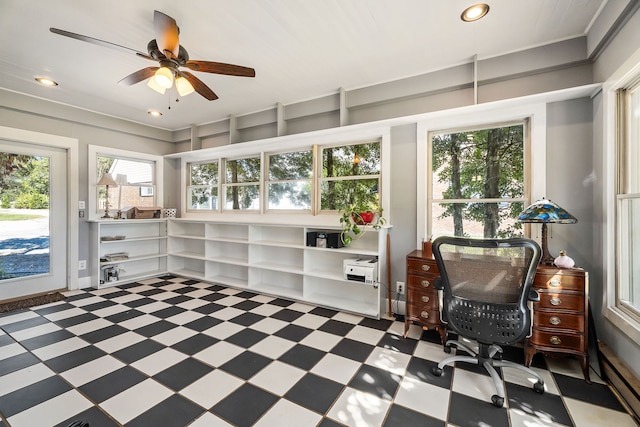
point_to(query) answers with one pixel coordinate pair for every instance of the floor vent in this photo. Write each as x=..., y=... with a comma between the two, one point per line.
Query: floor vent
x=623, y=381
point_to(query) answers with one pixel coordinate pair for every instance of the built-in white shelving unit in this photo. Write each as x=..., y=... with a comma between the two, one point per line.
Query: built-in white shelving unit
x=274, y=259
x=263, y=258
x=142, y=243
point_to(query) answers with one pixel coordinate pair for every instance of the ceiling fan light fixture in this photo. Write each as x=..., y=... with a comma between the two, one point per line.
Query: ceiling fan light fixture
x=164, y=77
x=183, y=86
x=155, y=86
x=475, y=12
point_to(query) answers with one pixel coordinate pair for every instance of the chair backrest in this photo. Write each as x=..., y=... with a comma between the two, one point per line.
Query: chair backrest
x=486, y=284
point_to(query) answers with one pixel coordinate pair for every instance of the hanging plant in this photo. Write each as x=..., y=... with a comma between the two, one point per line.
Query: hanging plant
x=357, y=218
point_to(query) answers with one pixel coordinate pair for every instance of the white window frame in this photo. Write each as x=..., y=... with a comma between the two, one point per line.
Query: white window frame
x=483, y=116
x=267, y=181
x=226, y=185
x=320, y=179
x=526, y=173
x=624, y=77
x=189, y=186
x=96, y=151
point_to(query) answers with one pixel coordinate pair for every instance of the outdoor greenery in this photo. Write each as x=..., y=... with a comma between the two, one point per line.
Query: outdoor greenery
x=24, y=180
x=350, y=175
x=477, y=165
x=17, y=216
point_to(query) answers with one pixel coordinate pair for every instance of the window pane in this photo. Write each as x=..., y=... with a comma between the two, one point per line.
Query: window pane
x=205, y=198
x=136, y=186
x=485, y=164
x=291, y=166
x=351, y=160
x=630, y=262
x=294, y=195
x=468, y=219
x=337, y=194
x=24, y=230
x=204, y=173
x=242, y=197
x=243, y=170
x=633, y=145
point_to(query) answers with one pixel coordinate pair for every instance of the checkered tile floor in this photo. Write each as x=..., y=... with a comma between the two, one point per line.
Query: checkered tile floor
x=175, y=352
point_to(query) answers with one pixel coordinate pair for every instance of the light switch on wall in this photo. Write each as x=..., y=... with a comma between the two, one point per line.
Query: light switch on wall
x=81, y=204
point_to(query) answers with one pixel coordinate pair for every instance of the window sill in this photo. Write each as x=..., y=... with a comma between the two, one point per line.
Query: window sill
x=625, y=323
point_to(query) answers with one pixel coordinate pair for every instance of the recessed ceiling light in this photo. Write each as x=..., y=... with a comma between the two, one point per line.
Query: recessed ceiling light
x=46, y=81
x=475, y=12
x=154, y=113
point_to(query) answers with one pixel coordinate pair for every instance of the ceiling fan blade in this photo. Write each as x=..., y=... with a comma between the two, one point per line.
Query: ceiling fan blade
x=98, y=42
x=220, y=68
x=167, y=32
x=138, y=76
x=199, y=86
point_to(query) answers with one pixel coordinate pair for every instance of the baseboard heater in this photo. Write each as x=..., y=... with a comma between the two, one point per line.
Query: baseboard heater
x=623, y=381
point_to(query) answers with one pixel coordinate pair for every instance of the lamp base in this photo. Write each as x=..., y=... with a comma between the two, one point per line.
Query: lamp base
x=546, y=258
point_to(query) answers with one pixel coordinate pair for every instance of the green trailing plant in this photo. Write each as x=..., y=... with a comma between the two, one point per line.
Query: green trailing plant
x=357, y=218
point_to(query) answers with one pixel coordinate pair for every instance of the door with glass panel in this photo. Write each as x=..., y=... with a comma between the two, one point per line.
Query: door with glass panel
x=33, y=219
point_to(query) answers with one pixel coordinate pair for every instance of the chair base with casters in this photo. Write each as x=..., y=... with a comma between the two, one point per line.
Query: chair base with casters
x=486, y=288
x=490, y=357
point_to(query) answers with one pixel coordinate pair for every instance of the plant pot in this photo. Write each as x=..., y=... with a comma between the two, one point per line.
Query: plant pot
x=363, y=218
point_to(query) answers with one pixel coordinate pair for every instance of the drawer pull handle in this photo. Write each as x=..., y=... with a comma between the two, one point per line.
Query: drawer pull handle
x=424, y=314
x=426, y=267
x=555, y=340
x=555, y=301
x=425, y=298
x=555, y=282
x=425, y=283
x=554, y=320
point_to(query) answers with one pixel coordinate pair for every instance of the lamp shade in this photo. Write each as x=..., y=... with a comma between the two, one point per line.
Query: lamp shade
x=107, y=179
x=546, y=211
x=183, y=86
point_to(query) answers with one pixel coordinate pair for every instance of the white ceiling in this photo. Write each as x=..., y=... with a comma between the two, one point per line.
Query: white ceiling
x=300, y=49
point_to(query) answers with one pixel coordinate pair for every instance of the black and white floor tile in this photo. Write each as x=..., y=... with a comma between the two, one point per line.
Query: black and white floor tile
x=172, y=351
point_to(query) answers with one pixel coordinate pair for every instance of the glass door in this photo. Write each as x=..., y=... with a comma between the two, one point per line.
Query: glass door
x=33, y=219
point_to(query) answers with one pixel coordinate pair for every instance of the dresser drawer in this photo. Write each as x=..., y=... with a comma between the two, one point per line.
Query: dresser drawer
x=553, y=319
x=423, y=298
x=416, y=265
x=423, y=314
x=421, y=282
x=552, y=339
x=561, y=301
x=559, y=282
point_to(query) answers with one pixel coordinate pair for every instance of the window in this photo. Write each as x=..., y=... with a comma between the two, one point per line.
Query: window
x=290, y=180
x=135, y=179
x=136, y=174
x=628, y=202
x=349, y=173
x=202, y=191
x=477, y=181
x=242, y=184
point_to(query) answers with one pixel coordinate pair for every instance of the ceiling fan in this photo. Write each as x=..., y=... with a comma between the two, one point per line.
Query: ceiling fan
x=171, y=56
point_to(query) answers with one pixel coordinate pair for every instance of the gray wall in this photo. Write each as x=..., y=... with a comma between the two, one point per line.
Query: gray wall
x=18, y=111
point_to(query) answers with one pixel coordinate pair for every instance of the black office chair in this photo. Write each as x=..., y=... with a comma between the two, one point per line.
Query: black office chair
x=486, y=286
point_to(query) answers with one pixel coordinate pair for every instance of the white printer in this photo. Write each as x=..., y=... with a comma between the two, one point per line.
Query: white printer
x=361, y=270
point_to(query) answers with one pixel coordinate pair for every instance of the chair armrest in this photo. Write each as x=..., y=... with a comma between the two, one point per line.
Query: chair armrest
x=533, y=295
x=438, y=284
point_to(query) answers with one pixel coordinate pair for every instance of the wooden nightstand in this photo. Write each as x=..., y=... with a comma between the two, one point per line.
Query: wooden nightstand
x=422, y=300
x=561, y=317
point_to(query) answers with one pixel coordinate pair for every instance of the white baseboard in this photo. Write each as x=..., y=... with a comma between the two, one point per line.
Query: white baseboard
x=84, y=282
